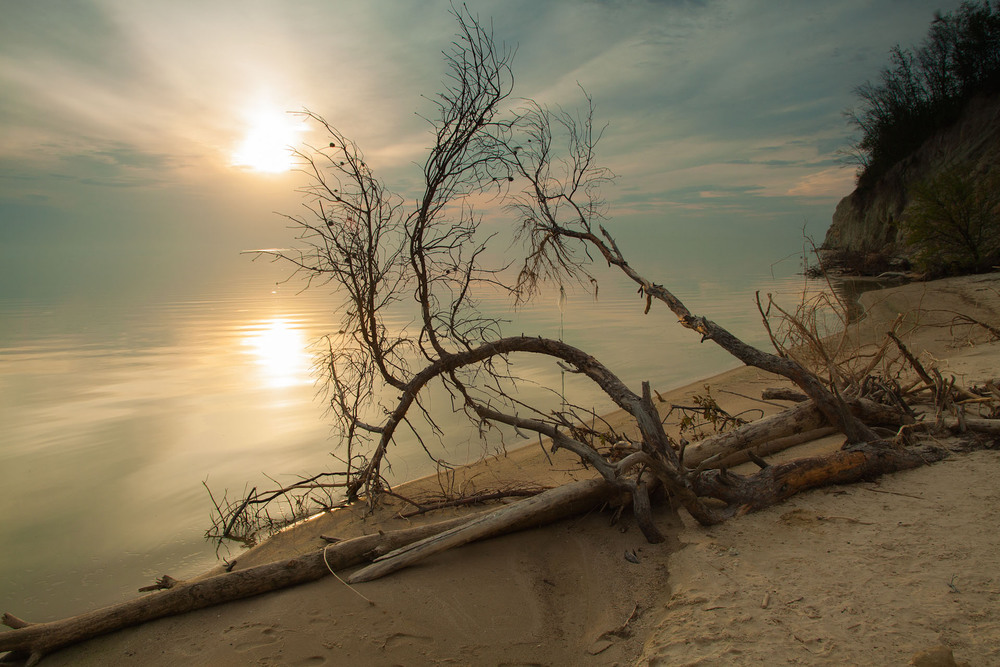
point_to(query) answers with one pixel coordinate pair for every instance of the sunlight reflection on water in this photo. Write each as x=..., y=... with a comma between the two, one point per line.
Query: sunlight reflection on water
x=281, y=351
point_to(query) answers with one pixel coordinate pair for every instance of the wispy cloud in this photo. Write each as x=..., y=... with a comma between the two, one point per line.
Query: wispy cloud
x=720, y=107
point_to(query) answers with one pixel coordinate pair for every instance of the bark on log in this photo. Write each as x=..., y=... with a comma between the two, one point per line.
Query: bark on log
x=988, y=426
x=552, y=504
x=40, y=639
x=783, y=394
x=775, y=446
x=778, y=482
x=797, y=419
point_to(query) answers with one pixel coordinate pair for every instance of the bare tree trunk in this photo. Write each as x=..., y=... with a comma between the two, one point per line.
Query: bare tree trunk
x=546, y=506
x=40, y=639
x=805, y=416
x=778, y=482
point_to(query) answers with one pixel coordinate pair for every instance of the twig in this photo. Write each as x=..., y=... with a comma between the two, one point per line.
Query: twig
x=337, y=577
x=163, y=583
x=622, y=630
x=910, y=358
x=894, y=493
x=472, y=500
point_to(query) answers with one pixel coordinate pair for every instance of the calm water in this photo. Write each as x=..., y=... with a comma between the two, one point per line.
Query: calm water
x=117, y=406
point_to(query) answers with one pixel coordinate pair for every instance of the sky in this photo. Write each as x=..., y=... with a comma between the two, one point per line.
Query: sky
x=146, y=132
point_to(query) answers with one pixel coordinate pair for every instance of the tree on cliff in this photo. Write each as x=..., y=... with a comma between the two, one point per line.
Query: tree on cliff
x=954, y=221
x=924, y=89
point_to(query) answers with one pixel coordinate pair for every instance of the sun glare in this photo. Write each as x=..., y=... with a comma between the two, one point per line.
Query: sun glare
x=267, y=145
x=280, y=350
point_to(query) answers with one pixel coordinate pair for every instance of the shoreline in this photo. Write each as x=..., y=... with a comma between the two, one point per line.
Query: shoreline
x=553, y=594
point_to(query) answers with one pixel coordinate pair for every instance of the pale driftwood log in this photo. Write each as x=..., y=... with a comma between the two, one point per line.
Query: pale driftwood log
x=553, y=503
x=977, y=424
x=783, y=394
x=713, y=450
x=40, y=639
x=774, y=446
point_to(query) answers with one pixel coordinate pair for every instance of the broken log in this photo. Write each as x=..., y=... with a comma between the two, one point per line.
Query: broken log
x=800, y=418
x=553, y=503
x=40, y=639
x=845, y=466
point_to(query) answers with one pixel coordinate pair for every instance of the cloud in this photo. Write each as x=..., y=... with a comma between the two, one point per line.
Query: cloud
x=111, y=164
x=116, y=166
x=827, y=183
x=715, y=108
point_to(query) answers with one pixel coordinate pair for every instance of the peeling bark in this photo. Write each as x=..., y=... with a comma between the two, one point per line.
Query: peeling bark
x=802, y=417
x=778, y=482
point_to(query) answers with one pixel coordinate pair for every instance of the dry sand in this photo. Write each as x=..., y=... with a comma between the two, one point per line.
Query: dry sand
x=866, y=574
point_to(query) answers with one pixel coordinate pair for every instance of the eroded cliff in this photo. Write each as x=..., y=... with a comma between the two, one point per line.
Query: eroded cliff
x=869, y=227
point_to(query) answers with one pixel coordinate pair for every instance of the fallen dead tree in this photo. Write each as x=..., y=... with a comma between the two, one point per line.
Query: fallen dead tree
x=395, y=550
x=539, y=166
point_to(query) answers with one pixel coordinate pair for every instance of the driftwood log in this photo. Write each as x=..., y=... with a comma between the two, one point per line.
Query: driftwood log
x=570, y=497
x=853, y=463
x=801, y=418
x=39, y=639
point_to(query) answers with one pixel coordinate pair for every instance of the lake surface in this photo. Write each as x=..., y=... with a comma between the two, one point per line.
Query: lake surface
x=117, y=403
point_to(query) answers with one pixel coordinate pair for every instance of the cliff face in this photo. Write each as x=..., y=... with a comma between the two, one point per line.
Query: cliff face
x=870, y=225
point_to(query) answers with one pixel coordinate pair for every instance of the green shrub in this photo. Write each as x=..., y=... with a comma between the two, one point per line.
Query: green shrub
x=953, y=222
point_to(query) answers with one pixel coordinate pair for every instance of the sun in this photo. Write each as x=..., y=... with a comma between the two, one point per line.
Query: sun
x=267, y=144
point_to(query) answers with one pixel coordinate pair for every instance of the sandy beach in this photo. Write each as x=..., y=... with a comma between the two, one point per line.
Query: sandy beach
x=864, y=574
